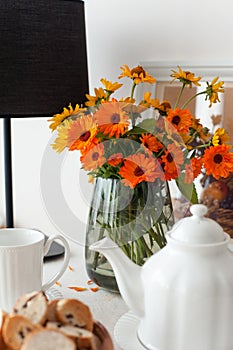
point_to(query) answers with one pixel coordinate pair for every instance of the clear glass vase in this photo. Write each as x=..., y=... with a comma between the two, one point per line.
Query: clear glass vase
x=136, y=219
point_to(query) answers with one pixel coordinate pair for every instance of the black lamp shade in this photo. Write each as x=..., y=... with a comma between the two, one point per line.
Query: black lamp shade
x=43, y=59
x=43, y=65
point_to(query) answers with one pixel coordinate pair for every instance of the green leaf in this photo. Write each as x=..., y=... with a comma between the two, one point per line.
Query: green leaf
x=135, y=131
x=148, y=125
x=188, y=190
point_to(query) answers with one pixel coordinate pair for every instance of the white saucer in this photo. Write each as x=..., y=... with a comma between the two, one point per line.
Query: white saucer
x=125, y=332
x=53, y=293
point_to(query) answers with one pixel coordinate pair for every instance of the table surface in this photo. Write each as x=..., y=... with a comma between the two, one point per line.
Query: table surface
x=106, y=307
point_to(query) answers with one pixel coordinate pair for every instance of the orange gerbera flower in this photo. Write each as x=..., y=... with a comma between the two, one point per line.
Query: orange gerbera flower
x=218, y=161
x=82, y=132
x=93, y=158
x=112, y=119
x=138, y=168
x=193, y=169
x=181, y=119
x=115, y=159
x=151, y=142
x=171, y=161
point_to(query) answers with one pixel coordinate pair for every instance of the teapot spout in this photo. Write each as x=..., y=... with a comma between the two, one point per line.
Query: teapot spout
x=127, y=273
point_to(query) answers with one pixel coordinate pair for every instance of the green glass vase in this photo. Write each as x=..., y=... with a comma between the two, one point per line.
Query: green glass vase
x=136, y=219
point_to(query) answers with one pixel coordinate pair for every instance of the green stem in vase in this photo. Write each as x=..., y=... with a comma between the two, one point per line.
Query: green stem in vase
x=147, y=252
x=97, y=254
x=156, y=236
x=163, y=240
x=126, y=249
x=138, y=252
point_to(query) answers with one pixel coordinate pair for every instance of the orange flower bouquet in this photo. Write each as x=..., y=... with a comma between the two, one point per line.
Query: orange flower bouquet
x=173, y=144
x=138, y=147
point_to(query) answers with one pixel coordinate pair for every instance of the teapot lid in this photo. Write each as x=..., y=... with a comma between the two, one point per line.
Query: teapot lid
x=197, y=229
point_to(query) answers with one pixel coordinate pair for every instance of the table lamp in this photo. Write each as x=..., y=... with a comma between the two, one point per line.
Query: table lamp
x=43, y=66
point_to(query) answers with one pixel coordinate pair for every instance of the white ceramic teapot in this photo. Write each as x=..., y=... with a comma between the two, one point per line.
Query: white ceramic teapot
x=184, y=293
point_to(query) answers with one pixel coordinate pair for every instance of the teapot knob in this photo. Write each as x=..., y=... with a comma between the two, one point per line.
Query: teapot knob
x=198, y=229
x=198, y=210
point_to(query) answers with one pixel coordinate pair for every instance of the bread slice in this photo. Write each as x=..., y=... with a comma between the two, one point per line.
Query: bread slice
x=15, y=329
x=33, y=306
x=52, y=307
x=75, y=313
x=48, y=339
x=82, y=337
x=3, y=315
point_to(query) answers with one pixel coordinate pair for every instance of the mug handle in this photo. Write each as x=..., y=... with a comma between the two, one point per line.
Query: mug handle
x=53, y=279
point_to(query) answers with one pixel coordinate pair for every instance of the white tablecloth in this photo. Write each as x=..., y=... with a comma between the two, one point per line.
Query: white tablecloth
x=106, y=307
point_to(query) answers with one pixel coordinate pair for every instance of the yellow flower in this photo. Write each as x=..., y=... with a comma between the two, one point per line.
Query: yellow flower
x=220, y=137
x=61, y=142
x=91, y=178
x=148, y=101
x=127, y=100
x=100, y=95
x=109, y=86
x=213, y=89
x=185, y=77
x=81, y=134
x=57, y=119
x=138, y=74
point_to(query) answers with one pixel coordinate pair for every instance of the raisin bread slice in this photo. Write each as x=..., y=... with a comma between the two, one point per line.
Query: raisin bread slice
x=3, y=315
x=15, y=329
x=82, y=337
x=48, y=339
x=75, y=313
x=34, y=306
x=52, y=307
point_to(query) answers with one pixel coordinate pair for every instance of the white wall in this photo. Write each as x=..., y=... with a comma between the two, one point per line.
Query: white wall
x=132, y=31
x=118, y=32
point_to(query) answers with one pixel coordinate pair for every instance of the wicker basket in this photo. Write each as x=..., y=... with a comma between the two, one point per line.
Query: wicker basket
x=218, y=197
x=224, y=217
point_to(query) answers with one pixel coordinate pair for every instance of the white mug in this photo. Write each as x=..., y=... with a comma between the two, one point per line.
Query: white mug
x=21, y=263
